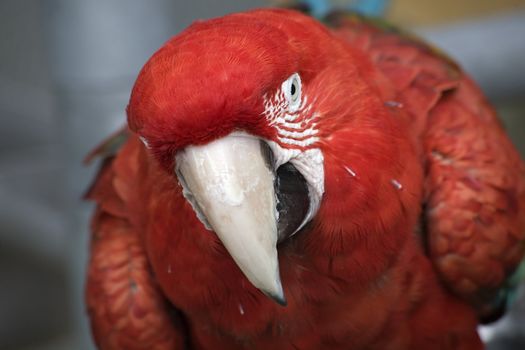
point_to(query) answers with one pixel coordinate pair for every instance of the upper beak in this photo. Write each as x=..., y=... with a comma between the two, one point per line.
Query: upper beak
x=232, y=186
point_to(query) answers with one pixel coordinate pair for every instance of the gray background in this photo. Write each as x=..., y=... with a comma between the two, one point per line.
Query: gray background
x=66, y=69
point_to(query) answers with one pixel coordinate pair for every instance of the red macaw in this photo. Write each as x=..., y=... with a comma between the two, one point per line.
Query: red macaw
x=288, y=185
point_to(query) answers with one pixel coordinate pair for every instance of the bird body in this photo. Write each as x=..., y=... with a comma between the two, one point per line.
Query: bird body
x=415, y=196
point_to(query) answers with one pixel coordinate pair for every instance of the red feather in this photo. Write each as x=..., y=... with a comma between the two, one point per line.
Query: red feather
x=399, y=126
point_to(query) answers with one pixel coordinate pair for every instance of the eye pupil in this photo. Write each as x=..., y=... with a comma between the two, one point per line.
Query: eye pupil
x=293, y=89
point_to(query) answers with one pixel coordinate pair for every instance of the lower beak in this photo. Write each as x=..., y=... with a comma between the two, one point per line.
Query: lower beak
x=232, y=187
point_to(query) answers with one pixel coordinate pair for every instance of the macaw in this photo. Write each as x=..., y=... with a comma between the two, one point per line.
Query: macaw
x=289, y=184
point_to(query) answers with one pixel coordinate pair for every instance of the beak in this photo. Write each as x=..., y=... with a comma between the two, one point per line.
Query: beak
x=231, y=187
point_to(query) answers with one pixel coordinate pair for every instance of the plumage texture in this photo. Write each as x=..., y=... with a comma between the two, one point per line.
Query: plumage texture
x=423, y=210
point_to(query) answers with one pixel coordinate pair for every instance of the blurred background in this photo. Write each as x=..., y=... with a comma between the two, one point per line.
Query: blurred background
x=66, y=70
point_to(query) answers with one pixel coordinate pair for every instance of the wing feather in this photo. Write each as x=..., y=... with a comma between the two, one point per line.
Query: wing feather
x=126, y=306
x=475, y=179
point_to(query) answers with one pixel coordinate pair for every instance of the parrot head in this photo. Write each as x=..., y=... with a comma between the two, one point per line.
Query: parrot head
x=248, y=112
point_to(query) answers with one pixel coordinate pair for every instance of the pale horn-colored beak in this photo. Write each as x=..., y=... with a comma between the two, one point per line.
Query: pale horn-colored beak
x=231, y=187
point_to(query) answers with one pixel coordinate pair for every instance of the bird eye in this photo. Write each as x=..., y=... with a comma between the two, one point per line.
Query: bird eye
x=292, y=91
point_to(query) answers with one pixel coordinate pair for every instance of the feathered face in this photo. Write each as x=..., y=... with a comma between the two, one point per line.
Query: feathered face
x=238, y=108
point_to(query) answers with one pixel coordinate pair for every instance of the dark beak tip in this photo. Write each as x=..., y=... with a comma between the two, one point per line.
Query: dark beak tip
x=282, y=302
x=279, y=299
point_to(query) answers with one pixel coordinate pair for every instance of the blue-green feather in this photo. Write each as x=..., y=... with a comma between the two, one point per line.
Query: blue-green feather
x=513, y=282
x=320, y=8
